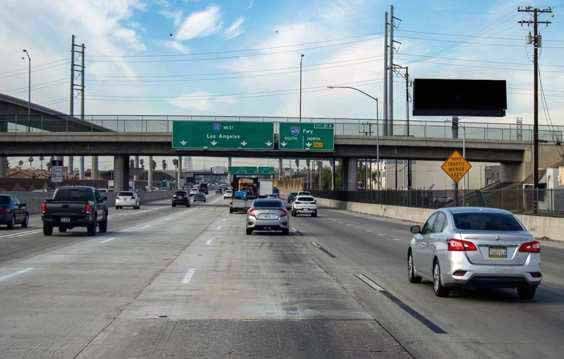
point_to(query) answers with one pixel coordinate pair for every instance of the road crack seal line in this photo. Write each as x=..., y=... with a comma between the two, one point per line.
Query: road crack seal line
x=323, y=249
x=409, y=310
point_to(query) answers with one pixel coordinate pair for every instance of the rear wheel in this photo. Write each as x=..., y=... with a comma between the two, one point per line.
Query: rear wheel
x=174, y=204
x=438, y=288
x=12, y=222
x=62, y=229
x=411, y=270
x=526, y=293
x=249, y=231
x=314, y=214
x=47, y=229
x=285, y=231
x=187, y=205
x=293, y=213
x=103, y=226
x=25, y=222
x=91, y=229
x=230, y=210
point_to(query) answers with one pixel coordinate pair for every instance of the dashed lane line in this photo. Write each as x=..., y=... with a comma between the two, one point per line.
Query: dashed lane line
x=188, y=276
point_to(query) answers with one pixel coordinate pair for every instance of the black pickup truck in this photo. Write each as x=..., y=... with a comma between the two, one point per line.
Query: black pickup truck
x=75, y=206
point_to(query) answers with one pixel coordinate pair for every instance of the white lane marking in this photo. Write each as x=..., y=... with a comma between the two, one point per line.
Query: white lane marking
x=20, y=234
x=209, y=241
x=396, y=239
x=188, y=276
x=108, y=240
x=370, y=282
x=145, y=226
x=219, y=228
x=11, y=275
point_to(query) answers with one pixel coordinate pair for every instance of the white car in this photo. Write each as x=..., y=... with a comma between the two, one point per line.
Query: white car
x=193, y=191
x=127, y=199
x=228, y=194
x=304, y=205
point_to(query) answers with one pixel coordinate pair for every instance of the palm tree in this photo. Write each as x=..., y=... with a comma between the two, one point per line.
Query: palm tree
x=20, y=163
x=30, y=160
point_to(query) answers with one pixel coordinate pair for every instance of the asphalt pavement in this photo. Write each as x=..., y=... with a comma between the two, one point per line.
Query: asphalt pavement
x=189, y=283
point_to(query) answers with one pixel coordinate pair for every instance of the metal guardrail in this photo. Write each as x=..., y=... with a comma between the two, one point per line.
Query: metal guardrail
x=487, y=131
x=521, y=201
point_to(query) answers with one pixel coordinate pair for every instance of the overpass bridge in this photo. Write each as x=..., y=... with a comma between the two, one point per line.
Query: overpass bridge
x=508, y=144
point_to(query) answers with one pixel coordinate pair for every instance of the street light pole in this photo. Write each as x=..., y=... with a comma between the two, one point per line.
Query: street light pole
x=301, y=67
x=377, y=124
x=28, y=89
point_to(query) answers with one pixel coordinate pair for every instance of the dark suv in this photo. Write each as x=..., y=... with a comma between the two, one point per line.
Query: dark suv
x=181, y=198
x=13, y=212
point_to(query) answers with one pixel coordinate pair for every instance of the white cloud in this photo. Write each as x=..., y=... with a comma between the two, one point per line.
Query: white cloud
x=201, y=101
x=175, y=15
x=175, y=45
x=200, y=24
x=235, y=29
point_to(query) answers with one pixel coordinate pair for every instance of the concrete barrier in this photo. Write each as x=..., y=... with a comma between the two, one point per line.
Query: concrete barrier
x=541, y=227
x=33, y=199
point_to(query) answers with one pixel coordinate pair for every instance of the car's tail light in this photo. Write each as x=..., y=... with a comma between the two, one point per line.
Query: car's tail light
x=530, y=247
x=43, y=207
x=173, y=196
x=252, y=212
x=88, y=208
x=283, y=212
x=460, y=245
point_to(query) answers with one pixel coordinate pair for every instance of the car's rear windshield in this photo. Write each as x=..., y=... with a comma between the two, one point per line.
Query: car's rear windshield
x=4, y=199
x=305, y=199
x=480, y=221
x=74, y=195
x=182, y=193
x=268, y=204
x=125, y=194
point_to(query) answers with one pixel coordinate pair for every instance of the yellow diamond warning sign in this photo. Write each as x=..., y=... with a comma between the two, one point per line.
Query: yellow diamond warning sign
x=456, y=166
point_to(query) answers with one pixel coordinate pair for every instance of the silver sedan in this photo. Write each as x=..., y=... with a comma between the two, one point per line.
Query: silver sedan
x=474, y=248
x=268, y=215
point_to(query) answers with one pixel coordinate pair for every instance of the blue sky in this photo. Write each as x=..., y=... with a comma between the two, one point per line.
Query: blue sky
x=242, y=57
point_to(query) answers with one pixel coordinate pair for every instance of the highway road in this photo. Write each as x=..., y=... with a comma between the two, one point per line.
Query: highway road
x=189, y=283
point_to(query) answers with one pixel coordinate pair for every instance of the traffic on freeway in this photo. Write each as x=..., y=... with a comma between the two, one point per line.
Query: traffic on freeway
x=164, y=281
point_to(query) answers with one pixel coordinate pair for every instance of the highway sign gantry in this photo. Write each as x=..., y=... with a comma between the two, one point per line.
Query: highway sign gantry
x=456, y=166
x=315, y=137
x=215, y=135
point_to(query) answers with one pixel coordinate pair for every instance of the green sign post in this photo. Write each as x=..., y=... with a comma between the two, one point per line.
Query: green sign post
x=214, y=135
x=315, y=137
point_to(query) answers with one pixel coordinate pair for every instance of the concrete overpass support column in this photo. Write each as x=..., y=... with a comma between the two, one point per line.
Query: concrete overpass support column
x=350, y=170
x=121, y=173
x=333, y=173
x=94, y=171
x=280, y=168
x=3, y=166
x=81, y=167
x=71, y=166
x=150, y=174
x=510, y=172
x=179, y=174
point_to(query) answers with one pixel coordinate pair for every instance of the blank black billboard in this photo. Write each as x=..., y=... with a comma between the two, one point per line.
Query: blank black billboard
x=456, y=97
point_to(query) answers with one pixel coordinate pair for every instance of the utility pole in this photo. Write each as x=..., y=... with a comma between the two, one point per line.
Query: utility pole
x=405, y=75
x=391, y=80
x=386, y=75
x=535, y=40
x=77, y=70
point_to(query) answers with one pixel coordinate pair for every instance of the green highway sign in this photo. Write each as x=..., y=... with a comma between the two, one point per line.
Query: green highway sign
x=251, y=171
x=215, y=135
x=315, y=137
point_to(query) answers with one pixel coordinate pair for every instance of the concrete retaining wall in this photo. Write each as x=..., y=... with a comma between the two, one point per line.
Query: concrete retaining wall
x=33, y=199
x=539, y=226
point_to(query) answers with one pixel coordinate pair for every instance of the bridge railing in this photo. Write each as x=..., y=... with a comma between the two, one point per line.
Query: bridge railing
x=487, y=131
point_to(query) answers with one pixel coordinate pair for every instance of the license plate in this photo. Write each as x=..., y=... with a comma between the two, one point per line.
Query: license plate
x=498, y=252
x=65, y=220
x=268, y=216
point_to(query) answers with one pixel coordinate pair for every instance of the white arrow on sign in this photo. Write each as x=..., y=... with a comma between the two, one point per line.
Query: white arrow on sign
x=183, y=142
x=213, y=143
x=308, y=145
x=268, y=143
x=244, y=143
x=284, y=144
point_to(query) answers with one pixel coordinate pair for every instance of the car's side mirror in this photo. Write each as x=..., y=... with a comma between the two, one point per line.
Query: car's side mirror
x=415, y=229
